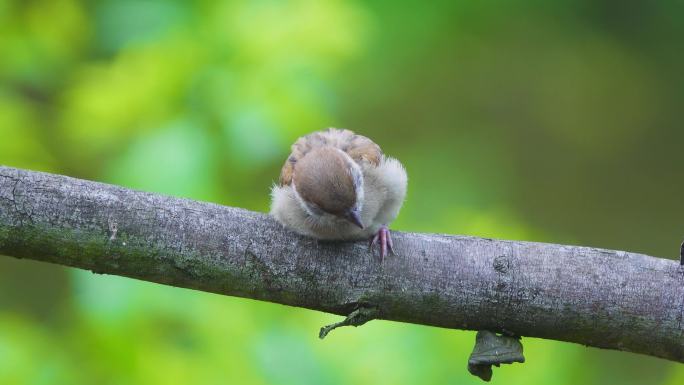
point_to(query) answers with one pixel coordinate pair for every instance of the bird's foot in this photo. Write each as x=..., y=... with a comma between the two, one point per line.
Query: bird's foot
x=384, y=239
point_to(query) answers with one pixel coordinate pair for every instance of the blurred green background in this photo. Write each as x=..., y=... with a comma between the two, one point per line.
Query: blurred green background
x=532, y=120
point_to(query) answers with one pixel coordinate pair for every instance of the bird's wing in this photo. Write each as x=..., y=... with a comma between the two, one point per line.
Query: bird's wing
x=358, y=147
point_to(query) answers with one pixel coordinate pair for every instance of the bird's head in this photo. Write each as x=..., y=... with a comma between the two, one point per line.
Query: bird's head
x=327, y=182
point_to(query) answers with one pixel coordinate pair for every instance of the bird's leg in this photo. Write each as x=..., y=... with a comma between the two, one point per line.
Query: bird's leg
x=384, y=239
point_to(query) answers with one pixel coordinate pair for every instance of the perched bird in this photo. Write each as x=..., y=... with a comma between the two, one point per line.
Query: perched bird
x=337, y=185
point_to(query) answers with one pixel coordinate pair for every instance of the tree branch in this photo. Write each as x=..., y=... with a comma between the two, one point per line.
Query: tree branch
x=603, y=298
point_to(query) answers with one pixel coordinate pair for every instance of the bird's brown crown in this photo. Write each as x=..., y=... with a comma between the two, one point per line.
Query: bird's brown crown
x=358, y=147
x=323, y=179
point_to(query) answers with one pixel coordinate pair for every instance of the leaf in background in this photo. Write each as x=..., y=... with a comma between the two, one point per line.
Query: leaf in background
x=153, y=21
x=20, y=142
x=176, y=160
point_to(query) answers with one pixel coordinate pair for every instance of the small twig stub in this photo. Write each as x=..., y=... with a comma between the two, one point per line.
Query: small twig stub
x=357, y=318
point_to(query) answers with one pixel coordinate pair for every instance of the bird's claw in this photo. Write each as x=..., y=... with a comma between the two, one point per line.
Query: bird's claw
x=384, y=239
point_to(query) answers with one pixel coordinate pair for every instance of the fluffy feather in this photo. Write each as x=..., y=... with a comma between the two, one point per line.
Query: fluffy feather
x=383, y=188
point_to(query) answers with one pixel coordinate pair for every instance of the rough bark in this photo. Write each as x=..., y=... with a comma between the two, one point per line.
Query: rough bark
x=602, y=298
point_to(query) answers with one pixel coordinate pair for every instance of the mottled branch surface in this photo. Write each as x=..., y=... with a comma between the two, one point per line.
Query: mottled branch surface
x=603, y=298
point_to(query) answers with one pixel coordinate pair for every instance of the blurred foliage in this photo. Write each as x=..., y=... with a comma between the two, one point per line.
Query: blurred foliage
x=548, y=121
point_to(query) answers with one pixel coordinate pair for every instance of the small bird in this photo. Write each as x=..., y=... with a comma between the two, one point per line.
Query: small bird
x=337, y=185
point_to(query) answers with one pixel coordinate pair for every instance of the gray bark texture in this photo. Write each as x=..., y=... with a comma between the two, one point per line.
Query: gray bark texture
x=602, y=298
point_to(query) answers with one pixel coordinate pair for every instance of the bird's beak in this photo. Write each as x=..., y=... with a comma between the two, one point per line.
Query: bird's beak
x=353, y=217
